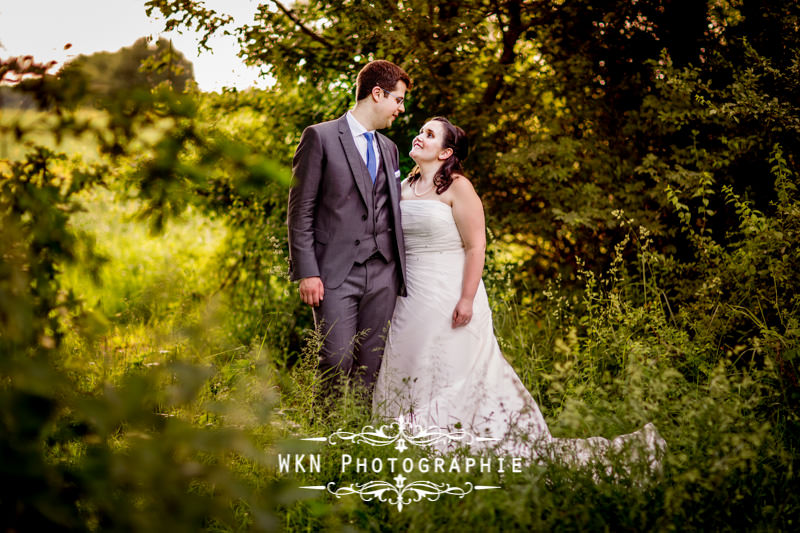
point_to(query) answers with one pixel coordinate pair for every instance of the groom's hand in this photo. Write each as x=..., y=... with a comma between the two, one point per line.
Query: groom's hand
x=312, y=291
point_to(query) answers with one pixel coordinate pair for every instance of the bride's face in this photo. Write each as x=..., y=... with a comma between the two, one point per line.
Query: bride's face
x=427, y=146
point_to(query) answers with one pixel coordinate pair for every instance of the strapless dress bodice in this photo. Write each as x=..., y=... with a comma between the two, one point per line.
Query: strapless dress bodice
x=429, y=227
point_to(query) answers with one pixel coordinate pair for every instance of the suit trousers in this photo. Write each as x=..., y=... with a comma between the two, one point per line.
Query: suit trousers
x=354, y=319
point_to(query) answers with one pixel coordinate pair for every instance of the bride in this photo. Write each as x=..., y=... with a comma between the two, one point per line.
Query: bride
x=442, y=365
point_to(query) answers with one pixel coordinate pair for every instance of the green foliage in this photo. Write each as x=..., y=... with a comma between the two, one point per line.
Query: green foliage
x=141, y=66
x=727, y=467
x=116, y=459
x=120, y=450
x=575, y=110
x=263, y=302
x=637, y=162
x=146, y=278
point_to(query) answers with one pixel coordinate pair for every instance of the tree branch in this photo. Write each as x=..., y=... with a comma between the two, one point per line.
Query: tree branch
x=511, y=35
x=510, y=38
x=304, y=28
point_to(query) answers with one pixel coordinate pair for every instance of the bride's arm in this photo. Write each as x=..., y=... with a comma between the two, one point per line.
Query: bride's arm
x=468, y=214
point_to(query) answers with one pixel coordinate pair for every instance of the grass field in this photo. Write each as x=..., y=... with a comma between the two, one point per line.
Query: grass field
x=723, y=469
x=162, y=408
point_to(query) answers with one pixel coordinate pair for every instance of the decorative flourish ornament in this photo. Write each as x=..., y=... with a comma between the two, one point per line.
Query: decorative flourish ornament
x=398, y=493
x=406, y=433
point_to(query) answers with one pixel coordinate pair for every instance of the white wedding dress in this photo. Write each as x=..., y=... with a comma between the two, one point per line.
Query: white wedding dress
x=434, y=375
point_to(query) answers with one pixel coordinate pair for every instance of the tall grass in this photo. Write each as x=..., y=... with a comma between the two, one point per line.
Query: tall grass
x=158, y=385
x=603, y=361
x=147, y=276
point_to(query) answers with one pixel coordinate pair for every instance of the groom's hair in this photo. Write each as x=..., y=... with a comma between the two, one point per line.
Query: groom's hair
x=380, y=73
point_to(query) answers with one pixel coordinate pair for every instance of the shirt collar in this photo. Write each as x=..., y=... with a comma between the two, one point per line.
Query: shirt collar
x=355, y=126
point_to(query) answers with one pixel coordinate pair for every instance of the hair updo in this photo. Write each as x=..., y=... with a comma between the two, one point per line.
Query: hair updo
x=456, y=139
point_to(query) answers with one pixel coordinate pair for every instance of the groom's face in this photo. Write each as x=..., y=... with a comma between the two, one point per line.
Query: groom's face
x=387, y=108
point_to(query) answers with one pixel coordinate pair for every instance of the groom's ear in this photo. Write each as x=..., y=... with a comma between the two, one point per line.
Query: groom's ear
x=377, y=93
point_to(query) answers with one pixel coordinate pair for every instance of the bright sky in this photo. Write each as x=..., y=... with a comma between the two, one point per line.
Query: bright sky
x=42, y=27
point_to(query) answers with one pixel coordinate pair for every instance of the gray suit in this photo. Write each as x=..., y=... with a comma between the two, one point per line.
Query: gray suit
x=347, y=230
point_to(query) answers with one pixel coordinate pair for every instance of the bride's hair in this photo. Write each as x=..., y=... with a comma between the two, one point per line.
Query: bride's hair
x=456, y=139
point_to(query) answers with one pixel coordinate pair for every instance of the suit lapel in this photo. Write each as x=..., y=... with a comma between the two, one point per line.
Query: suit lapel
x=387, y=156
x=388, y=169
x=353, y=157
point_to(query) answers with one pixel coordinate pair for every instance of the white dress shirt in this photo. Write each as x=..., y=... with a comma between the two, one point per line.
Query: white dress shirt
x=361, y=142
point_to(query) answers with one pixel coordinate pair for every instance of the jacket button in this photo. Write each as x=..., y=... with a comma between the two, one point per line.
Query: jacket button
x=363, y=217
x=358, y=242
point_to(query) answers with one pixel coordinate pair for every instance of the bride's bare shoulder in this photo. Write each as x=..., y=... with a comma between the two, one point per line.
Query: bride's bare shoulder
x=459, y=178
x=461, y=185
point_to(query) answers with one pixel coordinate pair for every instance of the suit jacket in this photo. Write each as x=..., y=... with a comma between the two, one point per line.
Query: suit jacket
x=328, y=203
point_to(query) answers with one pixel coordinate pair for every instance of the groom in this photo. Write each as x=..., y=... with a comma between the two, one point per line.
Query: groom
x=345, y=239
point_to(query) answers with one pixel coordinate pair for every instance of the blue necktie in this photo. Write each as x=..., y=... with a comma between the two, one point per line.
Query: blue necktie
x=372, y=165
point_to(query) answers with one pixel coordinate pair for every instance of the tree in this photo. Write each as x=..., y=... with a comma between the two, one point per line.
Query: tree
x=141, y=66
x=561, y=99
x=581, y=115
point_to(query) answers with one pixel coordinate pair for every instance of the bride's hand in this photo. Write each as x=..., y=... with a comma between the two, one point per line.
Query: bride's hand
x=462, y=313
